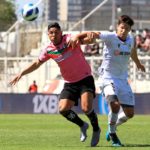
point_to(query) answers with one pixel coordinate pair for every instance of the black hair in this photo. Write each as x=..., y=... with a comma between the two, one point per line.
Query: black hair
x=146, y=30
x=125, y=19
x=54, y=25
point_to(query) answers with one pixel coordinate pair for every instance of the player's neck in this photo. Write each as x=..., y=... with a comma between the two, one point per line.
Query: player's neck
x=58, y=42
x=122, y=39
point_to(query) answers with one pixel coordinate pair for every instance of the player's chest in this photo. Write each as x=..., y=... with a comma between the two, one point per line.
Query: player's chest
x=59, y=53
x=121, y=48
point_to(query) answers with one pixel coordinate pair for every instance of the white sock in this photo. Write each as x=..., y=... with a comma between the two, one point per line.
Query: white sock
x=122, y=118
x=112, y=118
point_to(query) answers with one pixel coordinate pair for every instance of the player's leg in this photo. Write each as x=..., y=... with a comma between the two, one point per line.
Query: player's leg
x=65, y=106
x=112, y=119
x=69, y=98
x=114, y=106
x=87, y=108
x=126, y=113
x=87, y=90
x=127, y=101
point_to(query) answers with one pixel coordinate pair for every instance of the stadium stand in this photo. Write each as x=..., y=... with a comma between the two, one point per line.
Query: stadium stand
x=32, y=41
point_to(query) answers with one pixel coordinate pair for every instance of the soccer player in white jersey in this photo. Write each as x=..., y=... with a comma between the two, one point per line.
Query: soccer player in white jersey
x=119, y=46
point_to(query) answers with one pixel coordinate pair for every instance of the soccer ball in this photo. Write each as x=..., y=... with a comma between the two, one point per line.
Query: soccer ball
x=30, y=12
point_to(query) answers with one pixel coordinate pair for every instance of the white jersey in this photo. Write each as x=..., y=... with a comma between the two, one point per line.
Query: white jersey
x=116, y=54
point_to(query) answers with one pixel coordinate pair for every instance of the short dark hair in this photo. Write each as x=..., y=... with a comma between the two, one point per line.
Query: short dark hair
x=146, y=30
x=125, y=19
x=54, y=25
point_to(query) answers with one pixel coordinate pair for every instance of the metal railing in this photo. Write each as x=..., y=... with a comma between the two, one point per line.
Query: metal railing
x=10, y=66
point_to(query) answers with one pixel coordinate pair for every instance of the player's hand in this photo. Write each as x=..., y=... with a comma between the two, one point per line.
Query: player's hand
x=73, y=42
x=15, y=79
x=141, y=67
x=92, y=36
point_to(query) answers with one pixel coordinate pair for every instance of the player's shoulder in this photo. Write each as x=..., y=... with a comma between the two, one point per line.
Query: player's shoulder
x=67, y=35
x=108, y=33
x=48, y=47
x=130, y=37
x=66, y=38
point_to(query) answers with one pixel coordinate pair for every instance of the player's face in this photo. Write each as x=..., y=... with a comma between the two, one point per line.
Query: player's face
x=122, y=30
x=55, y=35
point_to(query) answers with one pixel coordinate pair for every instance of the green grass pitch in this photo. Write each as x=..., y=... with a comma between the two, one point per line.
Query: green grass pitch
x=53, y=132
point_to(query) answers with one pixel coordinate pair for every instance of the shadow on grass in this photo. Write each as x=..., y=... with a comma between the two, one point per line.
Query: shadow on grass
x=124, y=145
x=136, y=145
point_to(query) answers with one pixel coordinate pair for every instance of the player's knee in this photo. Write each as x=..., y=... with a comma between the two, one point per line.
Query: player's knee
x=130, y=115
x=64, y=106
x=114, y=103
x=115, y=106
x=62, y=109
x=86, y=108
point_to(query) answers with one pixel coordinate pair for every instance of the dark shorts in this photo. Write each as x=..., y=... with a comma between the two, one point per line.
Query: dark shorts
x=73, y=91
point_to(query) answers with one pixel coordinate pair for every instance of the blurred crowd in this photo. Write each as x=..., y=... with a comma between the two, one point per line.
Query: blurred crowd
x=142, y=40
x=91, y=49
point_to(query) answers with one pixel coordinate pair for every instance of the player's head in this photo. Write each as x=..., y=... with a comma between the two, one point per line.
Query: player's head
x=54, y=25
x=124, y=26
x=145, y=32
x=125, y=19
x=55, y=33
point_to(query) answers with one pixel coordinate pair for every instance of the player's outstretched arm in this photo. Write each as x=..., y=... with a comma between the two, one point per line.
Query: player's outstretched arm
x=136, y=60
x=90, y=38
x=36, y=64
x=83, y=38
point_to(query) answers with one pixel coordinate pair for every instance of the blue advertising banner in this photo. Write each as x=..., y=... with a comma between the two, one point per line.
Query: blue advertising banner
x=103, y=106
x=48, y=104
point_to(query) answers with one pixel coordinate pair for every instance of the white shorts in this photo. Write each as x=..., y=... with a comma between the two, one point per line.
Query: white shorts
x=119, y=87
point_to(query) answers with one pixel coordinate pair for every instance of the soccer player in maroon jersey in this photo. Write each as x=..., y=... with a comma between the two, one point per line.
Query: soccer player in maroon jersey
x=79, y=82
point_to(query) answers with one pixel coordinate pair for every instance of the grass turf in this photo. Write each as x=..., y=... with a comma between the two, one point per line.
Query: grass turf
x=53, y=132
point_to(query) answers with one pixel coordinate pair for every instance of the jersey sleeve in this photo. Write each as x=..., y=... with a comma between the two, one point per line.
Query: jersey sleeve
x=43, y=55
x=68, y=37
x=105, y=36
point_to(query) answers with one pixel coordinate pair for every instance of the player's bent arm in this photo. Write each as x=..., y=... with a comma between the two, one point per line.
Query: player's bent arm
x=136, y=60
x=134, y=56
x=36, y=64
x=83, y=38
x=90, y=37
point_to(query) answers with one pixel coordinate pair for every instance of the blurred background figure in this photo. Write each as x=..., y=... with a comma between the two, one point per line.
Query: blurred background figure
x=139, y=40
x=92, y=49
x=33, y=88
x=146, y=37
x=143, y=40
x=95, y=49
x=87, y=50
